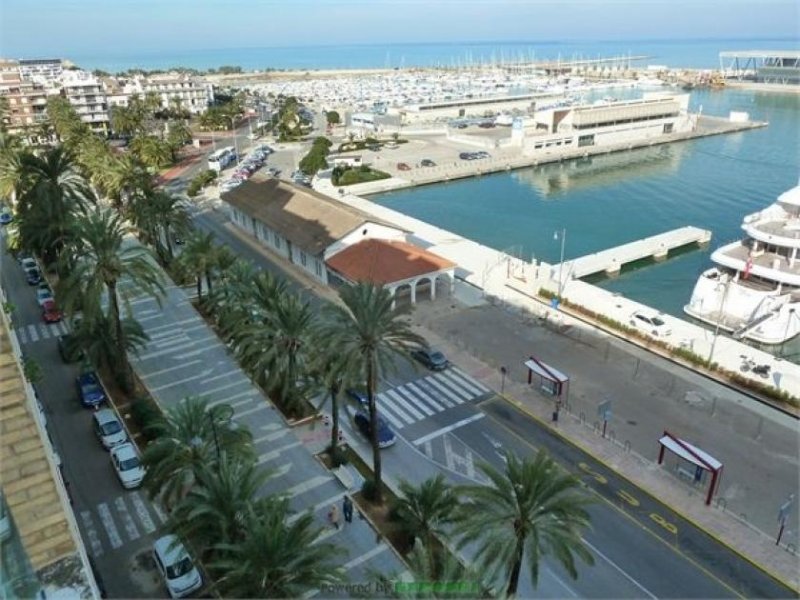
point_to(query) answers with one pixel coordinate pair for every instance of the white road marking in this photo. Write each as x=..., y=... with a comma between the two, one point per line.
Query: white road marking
x=91, y=533
x=428, y=447
x=416, y=401
x=162, y=371
x=142, y=513
x=229, y=398
x=325, y=504
x=618, y=568
x=448, y=429
x=459, y=384
x=448, y=455
x=236, y=371
x=309, y=484
x=22, y=334
x=366, y=556
x=474, y=382
x=447, y=386
x=33, y=333
x=386, y=403
x=426, y=386
x=127, y=519
x=271, y=437
x=419, y=393
x=273, y=454
x=250, y=411
x=159, y=512
x=181, y=381
x=407, y=406
x=108, y=524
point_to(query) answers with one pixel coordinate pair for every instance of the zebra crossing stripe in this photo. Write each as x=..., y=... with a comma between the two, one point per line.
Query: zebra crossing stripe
x=159, y=512
x=413, y=388
x=455, y=385
x=108, y=524
x=418, y=402
x=406, y=405
x=34, y=335
x=53, y=329
x=127, y=520
x=383, y=410
x=474, y=382
x=445, y=390
x=462, y=382
x=91, y=533
x=22, y=334
x=388, y=407
x=141, y=512
x=427, y=388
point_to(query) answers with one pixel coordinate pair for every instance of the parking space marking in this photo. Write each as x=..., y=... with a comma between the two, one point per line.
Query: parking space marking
x=108, y=524
x=273, y=454
x=170, y=369
x=308, y=484
x=91, y=533
x=142, y=513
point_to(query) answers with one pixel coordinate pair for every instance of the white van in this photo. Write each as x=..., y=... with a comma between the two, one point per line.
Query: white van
x=221, y=158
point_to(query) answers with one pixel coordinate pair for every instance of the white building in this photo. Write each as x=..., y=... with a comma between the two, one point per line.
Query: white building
x=192, y=93
x=41, y=70
x=86, y=94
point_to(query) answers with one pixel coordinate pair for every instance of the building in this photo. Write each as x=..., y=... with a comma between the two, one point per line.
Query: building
x=86, y=94
x=471, y=107
x=762, y=66
x=27, y=106
x=173, y=90
x=41, y=547
x=336, y=243
x=46, y=71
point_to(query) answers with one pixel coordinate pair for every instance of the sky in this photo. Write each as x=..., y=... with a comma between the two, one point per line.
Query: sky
x=31, y=28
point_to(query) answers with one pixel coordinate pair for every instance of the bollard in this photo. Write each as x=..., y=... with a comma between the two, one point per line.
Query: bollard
x=627, y=445
x=582, y=417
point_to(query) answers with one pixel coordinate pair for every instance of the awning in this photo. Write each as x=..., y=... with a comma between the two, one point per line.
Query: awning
x=546, y=371
x=687, y=451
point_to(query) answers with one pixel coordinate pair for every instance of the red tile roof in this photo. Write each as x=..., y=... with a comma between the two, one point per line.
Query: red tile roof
x=383, y=262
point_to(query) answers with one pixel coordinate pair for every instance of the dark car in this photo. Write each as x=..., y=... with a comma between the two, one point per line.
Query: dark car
x=5, y=218
x=433, y=359
x=486, y=125
x=467, y=156
x=69, y=349
x=90, y=391
x=427, y=162
x=386, y=436
x=33, y=276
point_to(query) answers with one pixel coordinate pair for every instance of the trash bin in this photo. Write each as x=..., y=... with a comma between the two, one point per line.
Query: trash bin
x=555, y=416
x=554, y=303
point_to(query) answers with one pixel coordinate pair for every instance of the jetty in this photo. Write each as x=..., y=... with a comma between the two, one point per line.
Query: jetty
x=612, y=260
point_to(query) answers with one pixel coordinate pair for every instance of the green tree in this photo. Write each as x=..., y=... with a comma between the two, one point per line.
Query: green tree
x=279, y=558
x=102, y=259
x=199, y=257
x=371, y=330
x=186, y=441
x=152, y=151
x=178, y=135
x=160, y=216
x=127, y=120
x=528, y=511
x=333, y=117
x=11, y=170
x=95, y=335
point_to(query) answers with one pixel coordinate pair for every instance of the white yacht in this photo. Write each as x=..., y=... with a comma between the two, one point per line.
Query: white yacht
x=754, y=291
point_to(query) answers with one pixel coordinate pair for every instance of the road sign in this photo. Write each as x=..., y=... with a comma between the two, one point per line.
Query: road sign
x=604, y=410
x=783, y=511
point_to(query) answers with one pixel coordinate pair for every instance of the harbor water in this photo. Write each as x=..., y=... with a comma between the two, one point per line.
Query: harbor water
x=608, y=200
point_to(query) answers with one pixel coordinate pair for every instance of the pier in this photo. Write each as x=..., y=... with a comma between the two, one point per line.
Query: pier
x=612, y=260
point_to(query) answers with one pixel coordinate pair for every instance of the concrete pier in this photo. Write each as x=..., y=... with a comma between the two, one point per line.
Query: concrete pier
x=612, y=260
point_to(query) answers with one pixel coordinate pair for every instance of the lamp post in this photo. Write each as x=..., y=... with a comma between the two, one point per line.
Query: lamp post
x=561, y=262
x=503, y=372
x=719, y=320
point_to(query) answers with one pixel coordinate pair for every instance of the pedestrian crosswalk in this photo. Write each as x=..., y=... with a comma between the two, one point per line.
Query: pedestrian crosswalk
x=406, y=404
x=33, y=332
x=112, y=524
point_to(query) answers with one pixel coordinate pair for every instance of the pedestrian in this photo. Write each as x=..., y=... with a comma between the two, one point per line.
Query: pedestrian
x=333, y=516
x=347, y=509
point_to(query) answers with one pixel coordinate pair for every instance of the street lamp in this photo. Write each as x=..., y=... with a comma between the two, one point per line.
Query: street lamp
x=561, y=262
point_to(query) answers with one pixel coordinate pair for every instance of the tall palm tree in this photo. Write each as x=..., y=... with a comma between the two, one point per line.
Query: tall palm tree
x=199, y=256
x=531, y=509
x=215, y=509
x=277, y=558
x=425, y=511
x=151, y=150
x=230, y=301
x=11, y=172
x=52, y=193
x=96, y=336
x=186, y=440
x=160, y=216
x=376, y=333
x=279, y=352
x=102, y=259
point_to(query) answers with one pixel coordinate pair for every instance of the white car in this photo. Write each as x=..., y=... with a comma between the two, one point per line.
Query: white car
x=29, y=263
x=650, y=323
x=108, y=428
x=43, y=294
x=128, y=465
x=176, y=567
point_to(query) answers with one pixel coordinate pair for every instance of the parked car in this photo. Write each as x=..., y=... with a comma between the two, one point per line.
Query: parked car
x=90, y=392
x=176, y=567
x=50, y=312
x=108, y=428
x=481, y=154
x=43, y=293
x=386, y=436
x=127, y=465
x=650, y=323
x=427, y=162
x=33, y=276
x=401, y=166
x=467, y=156
x=6, y=217
x=486, y=124
x=69, y=349
x=433, y=359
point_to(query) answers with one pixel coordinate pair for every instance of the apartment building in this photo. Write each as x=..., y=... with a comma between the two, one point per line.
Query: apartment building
x=27, y=106
x=190, y=93
x=86, y=94
x=41, y=70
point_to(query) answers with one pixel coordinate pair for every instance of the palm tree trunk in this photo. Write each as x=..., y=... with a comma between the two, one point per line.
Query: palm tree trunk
x=122, y=357
x=373, y=430
x=208, y=280
x=170, y=253
x=513, y=580
x=199, y=287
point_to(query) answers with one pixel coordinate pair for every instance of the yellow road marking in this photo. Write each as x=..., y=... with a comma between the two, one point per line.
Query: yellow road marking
x=671, y=527
x=628, y=498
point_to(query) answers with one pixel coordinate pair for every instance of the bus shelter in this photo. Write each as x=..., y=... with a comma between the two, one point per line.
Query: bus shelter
x=550, y=380
x=701, y=460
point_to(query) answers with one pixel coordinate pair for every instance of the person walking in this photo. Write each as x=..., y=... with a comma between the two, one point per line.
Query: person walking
x=347, y=509
x=333, y=516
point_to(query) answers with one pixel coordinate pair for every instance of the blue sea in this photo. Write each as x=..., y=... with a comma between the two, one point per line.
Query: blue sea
x=673, y=53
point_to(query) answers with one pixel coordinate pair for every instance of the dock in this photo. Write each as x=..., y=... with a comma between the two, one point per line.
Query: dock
x=612, y=260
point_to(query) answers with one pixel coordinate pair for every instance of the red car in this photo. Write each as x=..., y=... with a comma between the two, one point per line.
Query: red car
x=403, y=167
x=50, y=312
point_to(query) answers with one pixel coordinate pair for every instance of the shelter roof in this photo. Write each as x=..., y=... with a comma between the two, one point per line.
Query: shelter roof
x=386, y=261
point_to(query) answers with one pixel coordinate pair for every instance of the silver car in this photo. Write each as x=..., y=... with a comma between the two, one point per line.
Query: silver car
x=108, y=428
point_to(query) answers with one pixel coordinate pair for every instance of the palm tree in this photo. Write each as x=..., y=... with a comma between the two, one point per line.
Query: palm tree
x=229, y=302
x=11, y=172
x=152, y=151
x=160, y=216
x=423, y=512
x=186, y=441
x=102, y=259
x=199, y=257
x=277, y=558
x=215, y=509
x=96, y=336
x=371, y=330
x=278, y=353
x=529, y=510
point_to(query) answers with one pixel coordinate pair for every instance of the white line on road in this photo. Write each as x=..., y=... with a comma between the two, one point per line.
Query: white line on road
x=415, y=401
x=249, y=411
x=447, y=429
x=472, y=381
x=308, y=484
x=22, y=335
x=456, y=394
x=141, y=512
x=91, y=533
x=236, y=371
x=127, y=519
x=273, y=454
x=271, y=437
x=327, y=503
x=366, y=556
x=460, y=383
x=181, y=381
x=34, y=334
x=108, y=524
x=448, y=454
x=162, y=371
x=406, y=405
x=159, y=512
x=227, y=400
x=618, y=568
x=385, y=410
x=428, y=449
x=411, y=387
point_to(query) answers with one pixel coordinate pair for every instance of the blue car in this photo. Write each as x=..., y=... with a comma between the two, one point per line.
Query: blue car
x=386, y=436
x=90, y=391
x=6, y=218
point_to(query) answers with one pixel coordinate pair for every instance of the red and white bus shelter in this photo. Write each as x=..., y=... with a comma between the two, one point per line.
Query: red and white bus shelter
x=701, y=459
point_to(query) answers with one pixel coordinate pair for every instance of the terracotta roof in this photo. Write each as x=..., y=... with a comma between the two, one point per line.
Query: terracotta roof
x=383, y=262
x=306, y=218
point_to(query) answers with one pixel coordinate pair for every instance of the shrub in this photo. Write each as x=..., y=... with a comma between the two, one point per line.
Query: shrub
x=338, y=457
x=368, y=489
x=145, y=413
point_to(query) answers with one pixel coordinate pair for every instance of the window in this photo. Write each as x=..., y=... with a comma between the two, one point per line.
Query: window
x=303, y=258
x=277, y=240
x=586, y=140
x=318, y=268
